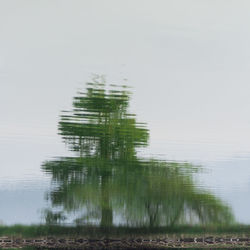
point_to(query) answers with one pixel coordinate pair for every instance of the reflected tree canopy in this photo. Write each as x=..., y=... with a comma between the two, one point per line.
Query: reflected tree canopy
x=106, y=183
x=99, y=124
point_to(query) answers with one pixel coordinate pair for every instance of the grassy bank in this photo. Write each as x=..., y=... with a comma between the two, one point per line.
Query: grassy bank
x=92, y=231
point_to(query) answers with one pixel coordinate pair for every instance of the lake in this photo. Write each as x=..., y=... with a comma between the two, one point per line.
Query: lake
x=129, y=114
x=171, y=183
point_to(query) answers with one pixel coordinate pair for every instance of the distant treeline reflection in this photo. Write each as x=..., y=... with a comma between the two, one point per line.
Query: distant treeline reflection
x=106, y=183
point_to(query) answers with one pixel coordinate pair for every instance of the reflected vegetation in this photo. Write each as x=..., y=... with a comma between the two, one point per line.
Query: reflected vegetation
x=106, y=184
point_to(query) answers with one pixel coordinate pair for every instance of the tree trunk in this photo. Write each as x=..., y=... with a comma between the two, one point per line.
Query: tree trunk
x=106, y=210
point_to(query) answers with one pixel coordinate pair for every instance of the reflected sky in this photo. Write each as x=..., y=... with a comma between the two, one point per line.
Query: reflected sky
x=189, y=73
x=190, y=57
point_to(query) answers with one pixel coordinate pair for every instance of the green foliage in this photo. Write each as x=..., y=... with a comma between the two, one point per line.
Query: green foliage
x=143, y=193
x=100, y=125
x=107, y=178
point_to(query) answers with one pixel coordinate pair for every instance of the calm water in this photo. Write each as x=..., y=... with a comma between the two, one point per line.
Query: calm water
x=101, y=170
x=184, y=159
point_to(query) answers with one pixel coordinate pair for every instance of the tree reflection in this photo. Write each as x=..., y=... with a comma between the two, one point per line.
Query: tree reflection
x=99, y=124
x=107, y=184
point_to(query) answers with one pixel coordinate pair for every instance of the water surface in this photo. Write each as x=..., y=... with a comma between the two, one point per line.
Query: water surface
x=102, y=173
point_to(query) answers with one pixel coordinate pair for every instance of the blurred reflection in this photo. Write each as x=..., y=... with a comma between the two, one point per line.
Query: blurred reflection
x=107, y=184
x=138, y=193
x=101, y=126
